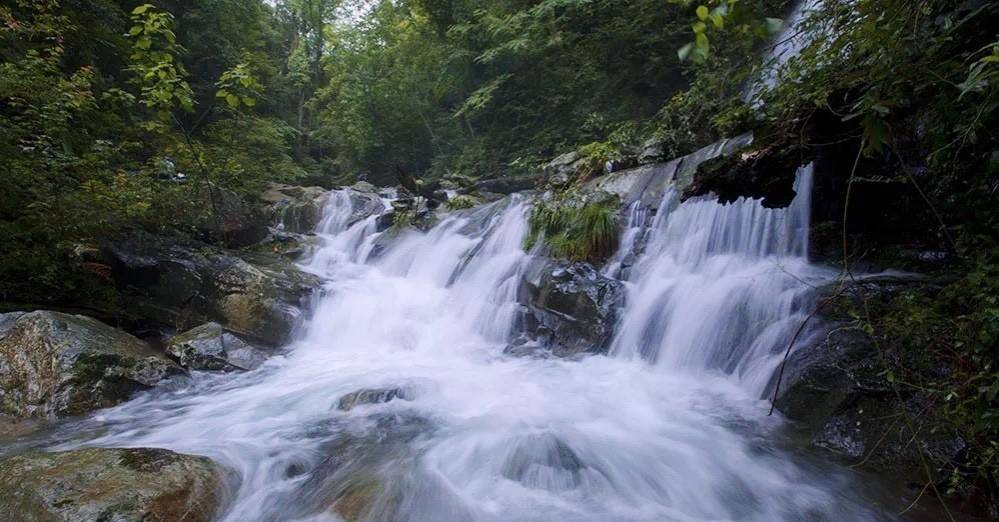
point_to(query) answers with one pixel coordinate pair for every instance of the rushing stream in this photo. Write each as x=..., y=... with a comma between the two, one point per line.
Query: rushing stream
x=672, y=425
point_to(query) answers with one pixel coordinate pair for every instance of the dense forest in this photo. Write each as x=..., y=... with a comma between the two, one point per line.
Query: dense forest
x=121, y=117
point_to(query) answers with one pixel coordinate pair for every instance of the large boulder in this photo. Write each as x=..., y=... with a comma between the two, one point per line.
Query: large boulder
x=54, y=364
x=103, y=485
x=570, y=308
x=210, y=347
x=257, y=295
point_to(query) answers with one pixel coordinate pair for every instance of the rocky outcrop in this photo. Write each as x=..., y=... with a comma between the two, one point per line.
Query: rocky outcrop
x=100, y=484
x=257, y=295
x=767, y=174
x=54, y=364
x=648, y=182
x=210, y=347
x=293, y=208
x=840, y=398
x=570, y=308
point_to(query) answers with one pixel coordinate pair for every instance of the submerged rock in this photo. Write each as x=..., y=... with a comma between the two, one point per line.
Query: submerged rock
x=371, y=396
x=103, y=485
x=210, y=347
x=571, y=308
x=351, y=480
x=54, y=364
x=257, y=295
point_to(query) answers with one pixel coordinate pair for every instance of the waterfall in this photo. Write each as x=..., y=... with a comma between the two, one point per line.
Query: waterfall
x=721, y=287
x=670, y=427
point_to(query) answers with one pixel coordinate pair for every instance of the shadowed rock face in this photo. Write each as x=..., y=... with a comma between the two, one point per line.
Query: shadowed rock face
x=839, y=399
x=54, y=364
x=100, y=484
x=187, y=284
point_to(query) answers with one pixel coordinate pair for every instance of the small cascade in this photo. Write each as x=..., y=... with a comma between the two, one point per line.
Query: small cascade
x=786, y=45
x=720, y=287
x=633, y=232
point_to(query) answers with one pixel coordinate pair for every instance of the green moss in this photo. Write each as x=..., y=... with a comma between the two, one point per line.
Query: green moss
x=574, y=229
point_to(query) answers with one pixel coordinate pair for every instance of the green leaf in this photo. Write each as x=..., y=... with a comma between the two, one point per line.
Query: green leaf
x=702, y=43
x=249, y=102
x=136, y=29
x=232, y=100
x=718, y=20
x=702, y=12
x=699, y=27
x=141, y=9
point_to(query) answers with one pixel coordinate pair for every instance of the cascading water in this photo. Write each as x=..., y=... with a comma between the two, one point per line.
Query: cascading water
x=476, y=435
x=721, y=287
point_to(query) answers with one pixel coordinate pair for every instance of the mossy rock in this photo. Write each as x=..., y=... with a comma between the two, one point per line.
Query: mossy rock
x=55, y=364
x=103, y=484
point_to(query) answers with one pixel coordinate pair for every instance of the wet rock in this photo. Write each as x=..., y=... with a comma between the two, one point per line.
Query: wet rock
x=838, y=396
x=371, y=396
x=289, y=245
x=101, y=484
x=570, y=307
x=295, y=209
x=350, y=481
x=364, y=205
x=54, y=364
x=414, y=212
x=210, y=347
x=545, y=462
x=256, y=295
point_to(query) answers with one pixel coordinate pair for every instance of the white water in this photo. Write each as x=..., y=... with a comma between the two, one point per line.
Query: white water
x=671, y=427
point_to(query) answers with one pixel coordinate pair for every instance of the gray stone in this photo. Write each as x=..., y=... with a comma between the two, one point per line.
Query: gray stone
x=54, y=364
x=210, y=347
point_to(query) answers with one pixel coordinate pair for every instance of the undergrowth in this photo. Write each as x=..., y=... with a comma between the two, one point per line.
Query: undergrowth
x=574, y=228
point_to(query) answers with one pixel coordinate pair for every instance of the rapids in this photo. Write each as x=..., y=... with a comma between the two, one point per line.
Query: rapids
x=672, y=425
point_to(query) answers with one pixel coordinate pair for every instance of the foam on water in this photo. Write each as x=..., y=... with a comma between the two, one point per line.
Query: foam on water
x=670, y=427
